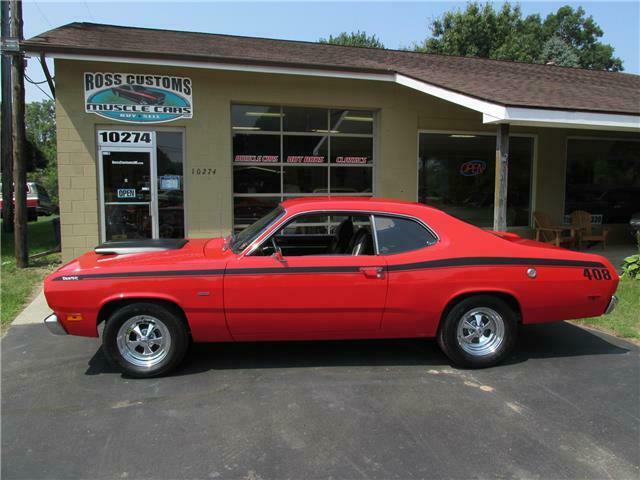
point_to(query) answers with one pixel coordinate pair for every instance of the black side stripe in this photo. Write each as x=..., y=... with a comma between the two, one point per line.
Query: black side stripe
x=445, y=263
x=159, y=273
x=493, y=261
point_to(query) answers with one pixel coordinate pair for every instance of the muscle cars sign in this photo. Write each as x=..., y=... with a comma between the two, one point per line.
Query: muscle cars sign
x=138, y=98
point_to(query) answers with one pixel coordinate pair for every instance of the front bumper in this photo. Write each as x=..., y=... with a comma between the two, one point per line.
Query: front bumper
x=54, y=325
x=612, y=305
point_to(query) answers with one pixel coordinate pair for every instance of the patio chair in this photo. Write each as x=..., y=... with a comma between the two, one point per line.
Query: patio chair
x=554, y=234
x=581, y=221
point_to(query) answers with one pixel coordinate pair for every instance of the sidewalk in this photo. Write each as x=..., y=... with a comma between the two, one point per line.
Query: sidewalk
x=35, y=312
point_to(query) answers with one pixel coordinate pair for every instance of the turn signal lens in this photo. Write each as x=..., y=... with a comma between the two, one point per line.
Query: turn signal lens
x=73, y=317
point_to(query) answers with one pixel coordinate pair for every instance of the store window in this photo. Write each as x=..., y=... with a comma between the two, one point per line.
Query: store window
x=603, y=178
x=287, y=152
x=170, y=184
x=456, y=174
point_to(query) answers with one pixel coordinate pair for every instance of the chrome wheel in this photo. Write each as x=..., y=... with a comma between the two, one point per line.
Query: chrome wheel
x=144, y=341
x=481, y=331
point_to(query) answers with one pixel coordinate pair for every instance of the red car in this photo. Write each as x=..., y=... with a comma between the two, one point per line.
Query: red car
x=38, y=201
x=326, y=268
x=139, y=95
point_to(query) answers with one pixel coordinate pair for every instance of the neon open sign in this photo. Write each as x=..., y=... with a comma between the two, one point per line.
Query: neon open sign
x=473, y=168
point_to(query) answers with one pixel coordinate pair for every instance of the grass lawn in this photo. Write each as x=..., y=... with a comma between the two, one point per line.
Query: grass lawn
x=625, y=319
x=18, y=285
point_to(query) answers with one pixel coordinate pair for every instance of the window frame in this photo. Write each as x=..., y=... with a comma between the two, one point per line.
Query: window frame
x=533, y=181
x=566, y=160
x=141, y=127
x=258, y=242
x=281, y=133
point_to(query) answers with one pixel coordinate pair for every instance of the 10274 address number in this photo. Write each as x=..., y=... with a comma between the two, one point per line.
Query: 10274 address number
x=203, y=171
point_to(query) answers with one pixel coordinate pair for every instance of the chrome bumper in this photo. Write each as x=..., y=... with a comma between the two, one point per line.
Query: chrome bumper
x=612, y=305
x=54, y=325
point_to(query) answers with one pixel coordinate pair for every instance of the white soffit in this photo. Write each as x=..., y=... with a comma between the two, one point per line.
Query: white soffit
x=492, y=113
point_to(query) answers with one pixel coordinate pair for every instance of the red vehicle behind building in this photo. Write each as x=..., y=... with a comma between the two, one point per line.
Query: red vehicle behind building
x=326, y=268
x=38, y=201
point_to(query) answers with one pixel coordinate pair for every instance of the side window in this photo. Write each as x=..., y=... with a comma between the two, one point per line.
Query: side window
x=397, y=235
x=42, y=193
x=324, y=234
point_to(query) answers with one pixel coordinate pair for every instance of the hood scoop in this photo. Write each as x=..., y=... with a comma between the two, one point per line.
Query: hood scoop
x=124, y=247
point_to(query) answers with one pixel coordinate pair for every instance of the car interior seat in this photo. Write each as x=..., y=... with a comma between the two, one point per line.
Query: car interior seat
x=344, y=233
x=362, y=243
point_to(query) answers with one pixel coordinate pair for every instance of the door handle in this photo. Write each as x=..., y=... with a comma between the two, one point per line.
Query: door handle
x=373, y=272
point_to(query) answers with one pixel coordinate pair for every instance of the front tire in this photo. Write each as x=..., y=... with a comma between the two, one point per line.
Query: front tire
x=145, y=340
x=478, y=332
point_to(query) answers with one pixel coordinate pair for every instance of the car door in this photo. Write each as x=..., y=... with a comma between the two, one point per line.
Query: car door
x=334, y=295
x=413, y=295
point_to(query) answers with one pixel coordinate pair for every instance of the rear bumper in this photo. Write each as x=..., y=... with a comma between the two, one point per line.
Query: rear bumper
x=54, y=325
x=612, y=305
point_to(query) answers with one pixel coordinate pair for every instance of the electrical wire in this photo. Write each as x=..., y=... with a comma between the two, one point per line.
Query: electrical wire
x=42, y=13
x=88, y=10
x=34, y=82
x=37, y=86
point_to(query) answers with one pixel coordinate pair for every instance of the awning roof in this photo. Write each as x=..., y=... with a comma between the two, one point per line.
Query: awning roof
x=505, y=92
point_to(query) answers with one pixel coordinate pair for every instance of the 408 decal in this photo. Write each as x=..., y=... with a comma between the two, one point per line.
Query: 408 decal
x=597, y=274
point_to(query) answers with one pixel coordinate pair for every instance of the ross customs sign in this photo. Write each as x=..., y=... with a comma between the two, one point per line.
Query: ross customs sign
x=137, y=98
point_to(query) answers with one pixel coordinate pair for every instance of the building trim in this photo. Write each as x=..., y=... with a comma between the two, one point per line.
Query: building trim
x=535, y=117
x=492, y=113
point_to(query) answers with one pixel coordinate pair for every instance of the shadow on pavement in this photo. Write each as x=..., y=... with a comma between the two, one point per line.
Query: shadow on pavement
x=535, y=342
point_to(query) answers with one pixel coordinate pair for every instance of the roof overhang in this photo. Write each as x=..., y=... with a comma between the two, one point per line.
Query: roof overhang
x=492, y=113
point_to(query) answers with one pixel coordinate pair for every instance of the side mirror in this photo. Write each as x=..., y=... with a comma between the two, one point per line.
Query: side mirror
x=277, y=251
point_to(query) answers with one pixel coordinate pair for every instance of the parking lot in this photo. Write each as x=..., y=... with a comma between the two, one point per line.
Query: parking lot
x=565, y=406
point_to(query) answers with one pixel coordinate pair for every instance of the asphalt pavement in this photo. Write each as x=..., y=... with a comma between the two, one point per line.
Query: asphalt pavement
x=567, y=405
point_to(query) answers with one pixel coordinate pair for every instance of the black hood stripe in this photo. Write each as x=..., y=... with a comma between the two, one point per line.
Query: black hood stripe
x=444, y=263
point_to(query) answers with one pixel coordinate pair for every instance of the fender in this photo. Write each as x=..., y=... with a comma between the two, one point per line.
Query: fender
x=480, y=291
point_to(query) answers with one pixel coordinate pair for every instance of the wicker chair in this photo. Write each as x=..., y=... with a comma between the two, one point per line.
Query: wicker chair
x=549, y=233
x=581, y=222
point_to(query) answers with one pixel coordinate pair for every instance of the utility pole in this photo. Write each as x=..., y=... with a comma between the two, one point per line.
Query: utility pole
x=19, y=157
x=5, y=122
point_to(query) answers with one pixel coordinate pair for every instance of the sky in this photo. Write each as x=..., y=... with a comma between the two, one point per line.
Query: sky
x=397, y=24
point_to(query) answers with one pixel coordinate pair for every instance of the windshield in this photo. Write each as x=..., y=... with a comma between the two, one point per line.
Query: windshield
x=243, y=239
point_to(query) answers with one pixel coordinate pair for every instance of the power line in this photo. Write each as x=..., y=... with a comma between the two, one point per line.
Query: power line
x=88, y=10
x=42, y=13
x=34, y=82
x=37, y=86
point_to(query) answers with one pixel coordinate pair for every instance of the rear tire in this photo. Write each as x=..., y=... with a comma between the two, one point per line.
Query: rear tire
x=478, y=332
x=32, y=216
x=145, y=340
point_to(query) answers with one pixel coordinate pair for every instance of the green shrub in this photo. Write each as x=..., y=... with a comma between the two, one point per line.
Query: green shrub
x=631, y=267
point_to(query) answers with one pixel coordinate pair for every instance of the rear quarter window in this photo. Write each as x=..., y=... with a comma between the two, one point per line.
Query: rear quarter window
x=398, y=235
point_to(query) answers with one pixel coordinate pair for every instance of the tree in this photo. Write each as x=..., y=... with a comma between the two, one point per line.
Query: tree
x=504, y=34
x=354, y=39
x=40, y=124
x=582, y=34
x=556, y=51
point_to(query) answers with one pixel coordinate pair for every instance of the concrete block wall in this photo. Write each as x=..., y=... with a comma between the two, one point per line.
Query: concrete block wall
x=77, y=185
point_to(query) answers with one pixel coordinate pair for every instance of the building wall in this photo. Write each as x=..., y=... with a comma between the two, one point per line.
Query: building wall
x=402, y=112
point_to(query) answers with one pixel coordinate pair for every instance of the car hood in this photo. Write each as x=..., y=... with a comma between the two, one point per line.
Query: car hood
x=196, y=254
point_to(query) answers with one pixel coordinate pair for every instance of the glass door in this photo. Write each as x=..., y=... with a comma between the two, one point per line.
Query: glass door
x=128, y=193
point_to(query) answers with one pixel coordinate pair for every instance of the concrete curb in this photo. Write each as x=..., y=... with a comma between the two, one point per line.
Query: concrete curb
x=35, y=312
